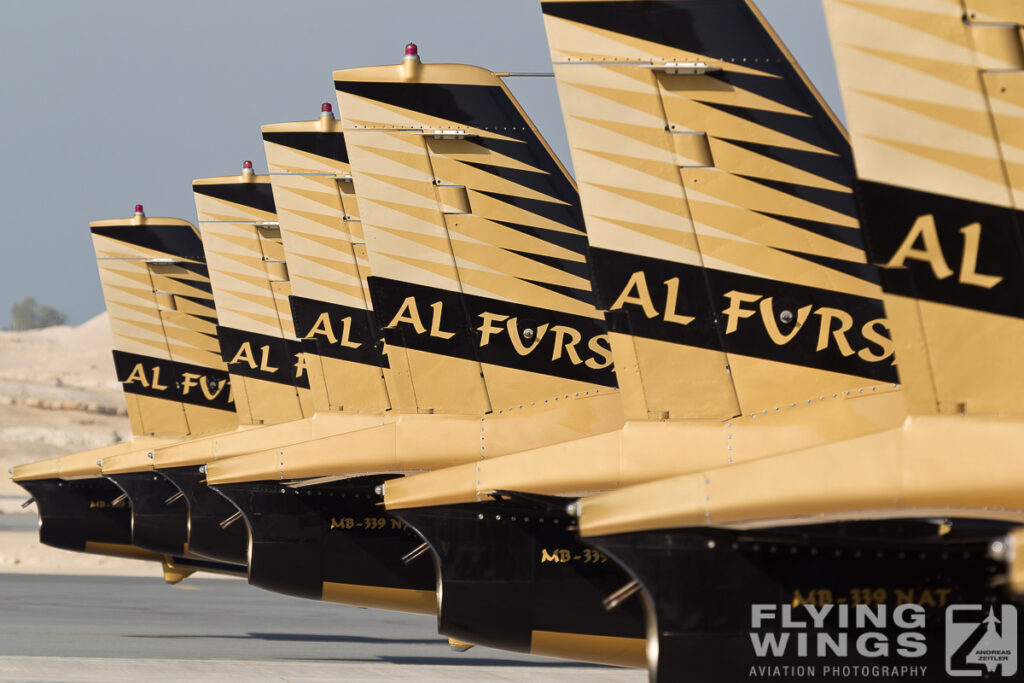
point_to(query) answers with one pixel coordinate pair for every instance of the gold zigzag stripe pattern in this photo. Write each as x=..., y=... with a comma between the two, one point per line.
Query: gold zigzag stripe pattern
x=649, y=189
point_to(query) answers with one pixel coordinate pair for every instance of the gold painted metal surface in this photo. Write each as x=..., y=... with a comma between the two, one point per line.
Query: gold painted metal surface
x=611, y=650
x=420, y=442
x=240, y=241
x=648, y=450
x=899, y=471
x=933, y=93
x=120, y=550
x=394, y=599
x=666, y=173
x=159, y=308
x=323, y=239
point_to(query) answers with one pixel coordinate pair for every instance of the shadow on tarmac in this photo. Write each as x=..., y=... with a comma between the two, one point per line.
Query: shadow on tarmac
x=297, y=638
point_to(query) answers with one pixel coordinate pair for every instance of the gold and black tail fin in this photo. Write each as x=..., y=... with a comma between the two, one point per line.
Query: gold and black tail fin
x=480, y=279
x=327, y=264
x=249, y=275
x=166, y=352
x=718, y=193
x=934, y=94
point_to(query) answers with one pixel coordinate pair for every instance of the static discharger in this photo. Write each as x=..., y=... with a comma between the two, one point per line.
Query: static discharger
x=231, y=520
x=414, y=553
x=620, y=596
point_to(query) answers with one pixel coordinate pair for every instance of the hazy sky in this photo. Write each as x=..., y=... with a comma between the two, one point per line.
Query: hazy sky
x=109, y=103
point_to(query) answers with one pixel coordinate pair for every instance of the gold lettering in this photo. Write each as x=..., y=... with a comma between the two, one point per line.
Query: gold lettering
x=138, y=374
x=735, y=311
x=876, y=337
x=408, y=313
x=517, y=341
x=561, y=332
x=188, y=381
x=244, y=354
x=637, y=281
x=923, y=228
x=545, y=556
x=845, y=323
x=768, y=317
x=602, y=350
x=671, y=316
x=346, y=331
x=435, y=322
x=265, y=365
x=969, y=274
x=156, y=379
x=323, y=326
x=300, y=365
x=487, y=329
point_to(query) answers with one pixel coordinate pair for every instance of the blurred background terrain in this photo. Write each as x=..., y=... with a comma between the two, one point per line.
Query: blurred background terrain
x=58, y=395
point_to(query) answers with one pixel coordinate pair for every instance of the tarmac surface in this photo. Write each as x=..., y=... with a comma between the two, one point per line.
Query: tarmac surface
x=102, y=628
x=19, y=522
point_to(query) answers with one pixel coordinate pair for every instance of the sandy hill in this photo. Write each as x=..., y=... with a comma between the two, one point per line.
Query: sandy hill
x=58, y=394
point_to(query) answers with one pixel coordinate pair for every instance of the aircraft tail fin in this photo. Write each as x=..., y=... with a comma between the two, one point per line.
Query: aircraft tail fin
x=166, y=352
x=934, y=94
x=480, y=279
x=718, y=192
x=249, y=278
x=327, y=264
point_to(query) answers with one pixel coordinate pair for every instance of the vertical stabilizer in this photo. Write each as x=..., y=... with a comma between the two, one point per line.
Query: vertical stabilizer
x=934, y=92
x=480, y=279
x=166, y=353
x=249, y=278
x=327, y=263
x=718, y=193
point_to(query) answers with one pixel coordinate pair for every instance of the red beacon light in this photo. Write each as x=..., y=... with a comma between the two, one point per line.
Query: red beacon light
x=326, y=108
x=411, y=62
x=247, y=164
x=138, y=210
